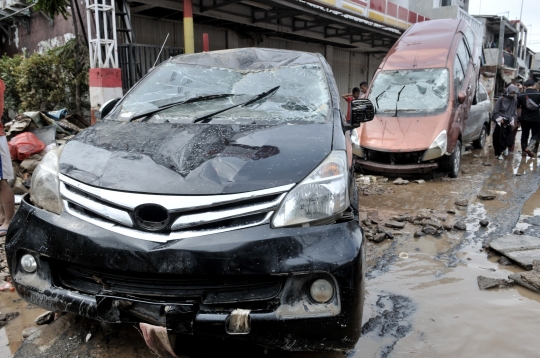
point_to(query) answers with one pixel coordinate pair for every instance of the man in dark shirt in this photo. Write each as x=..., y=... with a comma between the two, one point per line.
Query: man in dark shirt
x=530, y=119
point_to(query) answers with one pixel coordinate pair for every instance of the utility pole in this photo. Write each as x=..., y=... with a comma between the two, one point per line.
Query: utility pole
x=521, y=12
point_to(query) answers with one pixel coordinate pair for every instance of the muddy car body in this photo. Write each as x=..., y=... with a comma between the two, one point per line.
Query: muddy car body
x=423, y=92
x=200, y=204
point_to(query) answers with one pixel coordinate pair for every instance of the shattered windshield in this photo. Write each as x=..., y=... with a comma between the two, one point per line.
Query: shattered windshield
x=423, y=91
x=302, y=95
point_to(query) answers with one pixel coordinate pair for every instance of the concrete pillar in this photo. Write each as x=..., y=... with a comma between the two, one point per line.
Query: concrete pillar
x=501, y=41
x=105, y=84
x=189, y=39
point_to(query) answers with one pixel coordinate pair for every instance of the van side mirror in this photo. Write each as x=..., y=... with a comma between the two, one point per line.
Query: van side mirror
x=461, y=97
x=107, y=107
x=362, y=110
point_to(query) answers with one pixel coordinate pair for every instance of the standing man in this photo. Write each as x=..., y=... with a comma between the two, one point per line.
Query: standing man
x=349, y=98
x=7, y=198
x=529, y=104
x=363, y=89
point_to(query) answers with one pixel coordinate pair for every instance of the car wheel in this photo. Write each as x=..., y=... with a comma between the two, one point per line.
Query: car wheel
x=452, y=163
x=481, y=141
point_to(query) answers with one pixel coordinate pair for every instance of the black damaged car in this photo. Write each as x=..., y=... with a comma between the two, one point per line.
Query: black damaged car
x=216, y=198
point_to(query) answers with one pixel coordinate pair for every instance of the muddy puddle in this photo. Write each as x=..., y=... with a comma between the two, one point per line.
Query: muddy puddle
x=426, y=301
x=11, y=333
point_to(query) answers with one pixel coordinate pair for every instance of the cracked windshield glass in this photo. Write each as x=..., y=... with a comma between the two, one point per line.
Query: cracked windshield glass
x=419, y=91
x=302, y=96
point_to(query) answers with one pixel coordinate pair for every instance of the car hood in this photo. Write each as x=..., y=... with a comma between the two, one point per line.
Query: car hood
x=194, y=159
x=401, y=134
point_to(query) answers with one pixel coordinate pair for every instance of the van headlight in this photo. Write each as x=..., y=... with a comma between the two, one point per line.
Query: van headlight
x=323, y=194
x=45, y=191
x=437, y=148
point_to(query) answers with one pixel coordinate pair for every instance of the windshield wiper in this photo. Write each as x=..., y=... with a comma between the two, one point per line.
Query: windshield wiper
x=208, y=117
x=170, y=105
x=377, y=98
x=399, y=94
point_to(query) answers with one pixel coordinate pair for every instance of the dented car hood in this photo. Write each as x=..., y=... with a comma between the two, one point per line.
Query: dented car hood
x=401, y=134
x=194, y=159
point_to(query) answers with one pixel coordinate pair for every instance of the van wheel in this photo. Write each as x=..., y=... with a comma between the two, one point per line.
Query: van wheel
x=481, y=141
x=452, y=163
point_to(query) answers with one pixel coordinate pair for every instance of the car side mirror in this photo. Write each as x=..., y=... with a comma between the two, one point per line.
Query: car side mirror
x=362, y=110
x=461, y=97
x=107, y=107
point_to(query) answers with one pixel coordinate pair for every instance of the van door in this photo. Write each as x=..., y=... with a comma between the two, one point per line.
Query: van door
x=463, y=81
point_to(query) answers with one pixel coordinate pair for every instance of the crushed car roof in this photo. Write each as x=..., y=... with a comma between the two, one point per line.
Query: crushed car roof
x=249, y=58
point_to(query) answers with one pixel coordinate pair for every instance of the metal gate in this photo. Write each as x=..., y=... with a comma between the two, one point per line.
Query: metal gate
x=136, y=60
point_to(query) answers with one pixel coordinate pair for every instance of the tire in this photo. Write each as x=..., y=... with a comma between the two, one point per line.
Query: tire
x=481, y=141
x=452, y=163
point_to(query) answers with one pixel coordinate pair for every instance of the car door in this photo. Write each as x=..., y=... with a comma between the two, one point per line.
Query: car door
x=479, y=112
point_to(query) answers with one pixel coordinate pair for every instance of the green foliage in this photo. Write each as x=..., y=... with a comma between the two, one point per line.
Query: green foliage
x=45, y=81
x=52, y=7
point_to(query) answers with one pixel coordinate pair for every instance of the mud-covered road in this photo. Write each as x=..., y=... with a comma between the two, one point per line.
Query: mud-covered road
x=422, y=297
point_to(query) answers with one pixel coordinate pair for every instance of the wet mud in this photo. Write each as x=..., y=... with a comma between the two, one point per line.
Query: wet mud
x=422, y=296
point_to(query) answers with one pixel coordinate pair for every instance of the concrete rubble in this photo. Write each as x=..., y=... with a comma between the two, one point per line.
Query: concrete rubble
x=529, y=279
x=485, y=283
x=522, y=249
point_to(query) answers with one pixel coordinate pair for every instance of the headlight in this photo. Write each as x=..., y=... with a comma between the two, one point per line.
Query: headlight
x=323, y=194
x=45, y=191
x=437, y=148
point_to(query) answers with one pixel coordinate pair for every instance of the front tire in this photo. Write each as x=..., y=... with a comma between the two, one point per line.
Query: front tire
x=481, y=141
x=452, y=163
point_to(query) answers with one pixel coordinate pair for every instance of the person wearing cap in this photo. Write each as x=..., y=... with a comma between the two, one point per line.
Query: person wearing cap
x=7, y=198
x=505, y=117
x=530, y=118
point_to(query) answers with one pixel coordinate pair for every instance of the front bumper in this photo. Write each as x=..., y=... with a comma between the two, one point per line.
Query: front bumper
x=422, y=168
x=290, y=319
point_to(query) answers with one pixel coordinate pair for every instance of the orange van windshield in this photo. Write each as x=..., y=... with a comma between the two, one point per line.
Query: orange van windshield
x=424, y=92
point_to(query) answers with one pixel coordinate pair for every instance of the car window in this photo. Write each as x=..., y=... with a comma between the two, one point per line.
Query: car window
x=424, y=91
x=302, y=96
x=463, y=54
x=482, y=94
x=459, y=75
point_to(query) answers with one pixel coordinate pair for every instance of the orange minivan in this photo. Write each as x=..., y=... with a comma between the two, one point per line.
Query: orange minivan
x=423, y=92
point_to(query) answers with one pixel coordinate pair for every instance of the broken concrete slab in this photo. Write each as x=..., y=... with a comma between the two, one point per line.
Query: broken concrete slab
x=522, y=249
x=517, y=279
x=44, y=318
x=487, y=282
x=532, y=278
x=400, y=181
x=486, y=196
x=429, y=230
x=460, y=225
x=395, y=225
x=504, y=261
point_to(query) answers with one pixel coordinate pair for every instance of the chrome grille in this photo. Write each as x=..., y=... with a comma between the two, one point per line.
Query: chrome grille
x=189, y=215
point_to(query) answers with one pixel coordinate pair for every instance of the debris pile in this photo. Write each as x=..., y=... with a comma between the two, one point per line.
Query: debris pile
x=371, y=185
x=429, y=222
x=31, y=135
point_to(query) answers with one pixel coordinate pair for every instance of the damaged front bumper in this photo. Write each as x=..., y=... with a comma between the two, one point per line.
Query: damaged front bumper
x=250, y=283
x=422, y=168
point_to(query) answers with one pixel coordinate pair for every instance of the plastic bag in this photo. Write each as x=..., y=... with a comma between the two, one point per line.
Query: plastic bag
x=24, y=145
